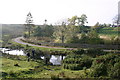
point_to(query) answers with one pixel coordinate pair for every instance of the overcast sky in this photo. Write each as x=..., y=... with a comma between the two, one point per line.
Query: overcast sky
x=15, y=11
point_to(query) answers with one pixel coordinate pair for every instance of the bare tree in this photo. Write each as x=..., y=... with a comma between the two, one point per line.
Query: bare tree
x=116, y=20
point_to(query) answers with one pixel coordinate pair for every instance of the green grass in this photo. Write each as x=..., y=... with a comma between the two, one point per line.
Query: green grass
x=61, y=73
x=109, y=31
x=8, y=65
x=28, y=70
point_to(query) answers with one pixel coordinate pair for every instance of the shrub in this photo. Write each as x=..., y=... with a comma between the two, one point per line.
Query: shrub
x=77, y=62
x=79, y=51
x=115, y=71
x=106, y=65
x=116, y=40
x=93, y=52
x=4, y=74
x=55, y=77
x=99, y=70
x=13, y=74
x=73, y=40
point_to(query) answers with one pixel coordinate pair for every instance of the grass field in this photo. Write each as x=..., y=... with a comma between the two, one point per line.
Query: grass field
x=109, y=31
x=35, y=70
x=9, y=65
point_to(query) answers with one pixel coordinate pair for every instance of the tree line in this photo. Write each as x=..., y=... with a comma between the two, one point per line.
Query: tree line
x=73, y=30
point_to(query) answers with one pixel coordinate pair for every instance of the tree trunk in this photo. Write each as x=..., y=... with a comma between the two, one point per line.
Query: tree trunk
x=62, y=39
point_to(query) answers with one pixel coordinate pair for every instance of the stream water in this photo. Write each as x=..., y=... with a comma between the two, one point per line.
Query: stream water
x=54, y=59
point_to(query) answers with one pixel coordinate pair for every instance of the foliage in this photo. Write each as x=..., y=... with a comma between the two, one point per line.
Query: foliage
x=35, y=69
x=29, y=24
x=61, y=32
x=90, y=38
x=99, y=26
x=79, y=20
x=68, y=32
x=43, y=31
x=74, y=39
x=72, y=21
x=115, y=71
x=94, y=37
x=82, y=20
x=55, y=77
x=106, y=65
x=84, y=38
x=84, y=29
x=65, y=33
x=77, y=62
x=116, y=40
x=99, y=70
x=79, y=51
x=109, y=31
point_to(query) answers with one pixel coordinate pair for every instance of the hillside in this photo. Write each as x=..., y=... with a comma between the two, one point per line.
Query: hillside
x=9, y=31
x=110, y=31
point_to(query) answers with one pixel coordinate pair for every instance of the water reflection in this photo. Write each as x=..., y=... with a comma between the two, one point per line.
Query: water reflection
x=56, y=59
x=12, y=52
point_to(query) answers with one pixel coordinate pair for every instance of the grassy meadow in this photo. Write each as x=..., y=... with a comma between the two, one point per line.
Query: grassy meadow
x=109, y=32
x=15, y=68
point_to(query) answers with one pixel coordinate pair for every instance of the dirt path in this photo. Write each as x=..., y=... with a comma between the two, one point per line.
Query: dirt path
x=18, y=40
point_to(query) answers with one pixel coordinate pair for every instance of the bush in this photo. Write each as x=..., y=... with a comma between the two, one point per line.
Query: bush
x=79, y=51
x=4, y=74
x=106, y=65
x=95, y=41
x=115, y=71
x=99, y=70
x=73, y=40
x=116, y=40
x=95, y=52
x=25, y=35
x=77, y=62
x=55, y=77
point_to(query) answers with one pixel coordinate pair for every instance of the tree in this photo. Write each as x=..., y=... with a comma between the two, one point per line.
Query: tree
x=94, y=37
x=84, y=38
x=72, y=21
x=97, y=25
x=43, y=31
x=45, y=22
x=60, y=32
x=37, y=31
x=79, y=20
x=116, y=20
x=93, y=34
x=69, y=33
x=29, y=23
x=65, y=33
x=82, y=20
